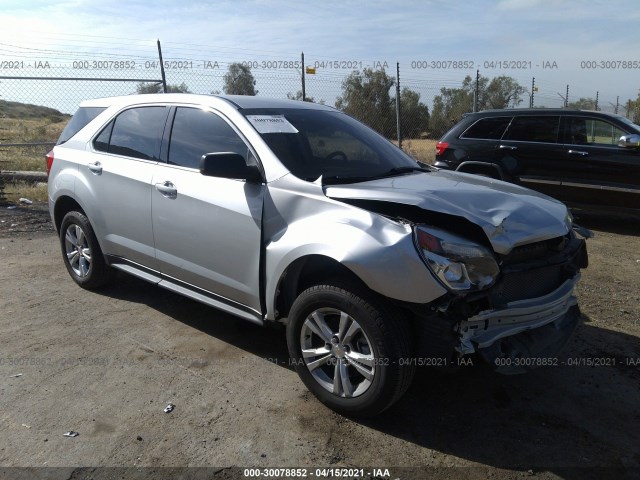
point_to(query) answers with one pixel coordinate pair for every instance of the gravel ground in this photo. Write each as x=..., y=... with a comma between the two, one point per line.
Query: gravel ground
x=105, y=364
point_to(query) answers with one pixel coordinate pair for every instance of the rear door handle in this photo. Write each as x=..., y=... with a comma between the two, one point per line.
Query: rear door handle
x=95, y=167
x=507, y=147
x=167, y=189
x=579, y=153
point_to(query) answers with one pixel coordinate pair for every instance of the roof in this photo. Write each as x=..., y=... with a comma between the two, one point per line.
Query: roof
x=538, y=111
x=238, y=101
x=249, y=101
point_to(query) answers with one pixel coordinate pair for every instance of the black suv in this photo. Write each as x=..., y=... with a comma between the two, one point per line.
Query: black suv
x=580, y=157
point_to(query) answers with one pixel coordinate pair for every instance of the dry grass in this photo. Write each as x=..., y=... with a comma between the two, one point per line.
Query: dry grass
x=422, y=150
x=24, y=158
x=27, y=131
x=36, y=192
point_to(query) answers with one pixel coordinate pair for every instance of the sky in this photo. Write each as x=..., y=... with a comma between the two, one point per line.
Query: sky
x=577, y=43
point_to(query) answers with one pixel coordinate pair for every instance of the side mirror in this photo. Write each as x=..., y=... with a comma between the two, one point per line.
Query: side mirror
x=629, y=141
x=229, y=165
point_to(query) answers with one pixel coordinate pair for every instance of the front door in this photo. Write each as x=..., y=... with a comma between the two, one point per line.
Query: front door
x=207, y=230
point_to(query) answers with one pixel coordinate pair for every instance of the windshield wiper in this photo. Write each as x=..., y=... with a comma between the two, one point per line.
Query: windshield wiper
x=345, y=179
x=401, y=170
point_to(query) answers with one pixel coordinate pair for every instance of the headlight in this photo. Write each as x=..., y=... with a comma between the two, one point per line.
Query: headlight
x=460, y=264
x=569, y=220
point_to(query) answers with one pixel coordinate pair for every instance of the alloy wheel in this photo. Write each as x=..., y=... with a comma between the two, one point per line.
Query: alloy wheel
x=77, y=250
x=337, y=352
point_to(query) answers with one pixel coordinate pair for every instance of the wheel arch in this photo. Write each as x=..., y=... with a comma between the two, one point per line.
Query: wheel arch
x=305, y=272
x=484, y=168
x=64, y=205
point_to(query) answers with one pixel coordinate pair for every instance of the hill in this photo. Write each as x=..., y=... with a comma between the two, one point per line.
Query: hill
x=19, y=110
x=22, y=123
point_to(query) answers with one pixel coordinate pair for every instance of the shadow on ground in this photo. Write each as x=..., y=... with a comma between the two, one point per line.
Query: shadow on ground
x=576, y=419
x=268, y=343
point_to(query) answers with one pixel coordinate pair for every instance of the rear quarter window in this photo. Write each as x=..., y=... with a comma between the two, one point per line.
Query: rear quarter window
x=80, y=119
x=490, y=128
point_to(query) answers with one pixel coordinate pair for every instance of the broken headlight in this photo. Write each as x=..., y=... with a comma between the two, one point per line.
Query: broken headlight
x=460, y=264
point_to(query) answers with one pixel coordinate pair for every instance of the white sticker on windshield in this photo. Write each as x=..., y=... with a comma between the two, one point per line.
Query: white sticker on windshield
x=271, y=124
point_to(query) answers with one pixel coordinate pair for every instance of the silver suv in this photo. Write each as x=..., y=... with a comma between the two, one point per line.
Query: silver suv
x=295, y=213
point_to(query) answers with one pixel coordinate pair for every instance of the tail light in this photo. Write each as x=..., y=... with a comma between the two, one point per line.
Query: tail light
x=441, y=147
x=49, y=157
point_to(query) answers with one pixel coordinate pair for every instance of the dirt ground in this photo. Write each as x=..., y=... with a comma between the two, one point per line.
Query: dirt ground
x=105, y=364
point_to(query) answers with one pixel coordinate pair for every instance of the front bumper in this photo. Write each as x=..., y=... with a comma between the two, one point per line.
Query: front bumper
x=485, y=328
x=526, y=334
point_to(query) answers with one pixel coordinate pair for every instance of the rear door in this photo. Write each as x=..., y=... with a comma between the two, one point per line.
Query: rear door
x=117, y=175
x=207, y=230
x=530, y=152
x=603, y=173
x=480, y=141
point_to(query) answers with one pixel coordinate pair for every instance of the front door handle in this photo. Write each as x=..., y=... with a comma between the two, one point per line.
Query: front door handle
x=167, y=189
x=507, y=147
x=579, y=153
x=95, y=167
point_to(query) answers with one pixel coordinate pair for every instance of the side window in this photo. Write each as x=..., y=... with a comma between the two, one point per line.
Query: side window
x=543, y=128
x=601, y=132
x=591, y=131
x=137, y=132
x=490, y=128
x=196, y=132
x=575, y=131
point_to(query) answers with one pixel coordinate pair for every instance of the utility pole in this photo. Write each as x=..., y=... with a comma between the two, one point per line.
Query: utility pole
x=566, y=98
x=476, y=92
x=617, y=104
x=533, y=89
x=304, y=93
x=164, y=79
x=398, y=104
x=597, y=96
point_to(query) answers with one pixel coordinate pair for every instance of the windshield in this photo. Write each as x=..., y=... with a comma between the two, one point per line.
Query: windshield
x=314, y=143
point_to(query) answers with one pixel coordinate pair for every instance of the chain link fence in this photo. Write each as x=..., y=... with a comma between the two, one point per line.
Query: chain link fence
x=409, y=105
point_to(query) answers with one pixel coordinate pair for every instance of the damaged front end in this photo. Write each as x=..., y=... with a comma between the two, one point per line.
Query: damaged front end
x=527, y=316
x=509, y=259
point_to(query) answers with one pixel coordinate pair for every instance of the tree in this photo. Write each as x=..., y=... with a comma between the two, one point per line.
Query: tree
x=503, y=92
x=452, y=103
x=365, y=96
x=633, y=110
x=414, y=115
x=157, y=88
x=583, y=104
x=239, y=80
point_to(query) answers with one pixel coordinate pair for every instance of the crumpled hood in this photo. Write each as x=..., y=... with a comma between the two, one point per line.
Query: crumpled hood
x=509, y=215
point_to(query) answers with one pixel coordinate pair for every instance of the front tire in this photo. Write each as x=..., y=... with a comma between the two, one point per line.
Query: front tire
x=81, y=252
x=349, y=350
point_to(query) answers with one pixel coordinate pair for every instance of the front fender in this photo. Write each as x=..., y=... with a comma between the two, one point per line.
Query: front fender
x=378, y=250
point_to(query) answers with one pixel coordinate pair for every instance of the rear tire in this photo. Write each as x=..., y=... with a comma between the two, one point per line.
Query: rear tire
x=349, y=350
x=81, y=252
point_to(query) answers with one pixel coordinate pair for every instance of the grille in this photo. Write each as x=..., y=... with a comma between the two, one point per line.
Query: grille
x=527, y=284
